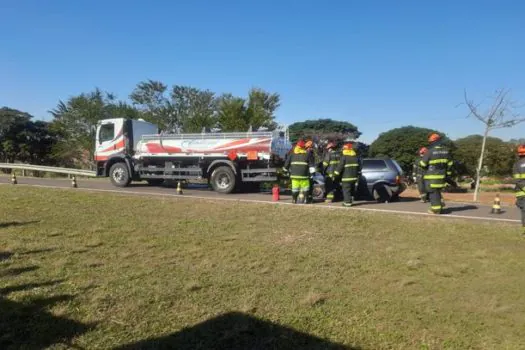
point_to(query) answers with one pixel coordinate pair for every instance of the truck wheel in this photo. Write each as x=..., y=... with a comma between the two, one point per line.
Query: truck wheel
x=119, y=175
x=155, y=182
x=223, y=180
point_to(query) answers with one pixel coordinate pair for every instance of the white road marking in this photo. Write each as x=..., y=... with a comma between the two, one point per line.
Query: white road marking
x=171, y=195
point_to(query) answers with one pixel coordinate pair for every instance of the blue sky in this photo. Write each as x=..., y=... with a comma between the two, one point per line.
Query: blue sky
x=377, y=64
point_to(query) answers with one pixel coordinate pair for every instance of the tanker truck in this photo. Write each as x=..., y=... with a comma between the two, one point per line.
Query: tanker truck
x=129, y=150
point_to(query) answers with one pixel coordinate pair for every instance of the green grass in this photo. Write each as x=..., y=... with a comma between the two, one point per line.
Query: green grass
x=90, y=270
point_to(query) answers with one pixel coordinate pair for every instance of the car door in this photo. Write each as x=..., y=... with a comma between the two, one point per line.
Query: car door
x=373, y=171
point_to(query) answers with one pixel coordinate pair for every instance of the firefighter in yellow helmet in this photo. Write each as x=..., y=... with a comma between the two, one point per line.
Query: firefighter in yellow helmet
x=300, y=167
x=349, y=169
x=518, y=174
x=437, y=163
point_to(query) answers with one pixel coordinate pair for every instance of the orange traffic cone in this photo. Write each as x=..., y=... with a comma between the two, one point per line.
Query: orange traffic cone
x=496, y=207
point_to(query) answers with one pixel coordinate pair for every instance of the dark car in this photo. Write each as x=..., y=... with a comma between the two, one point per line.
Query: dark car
x=382, y=179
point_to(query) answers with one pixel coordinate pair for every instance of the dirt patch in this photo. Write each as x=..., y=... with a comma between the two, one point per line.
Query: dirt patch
x=485, y=198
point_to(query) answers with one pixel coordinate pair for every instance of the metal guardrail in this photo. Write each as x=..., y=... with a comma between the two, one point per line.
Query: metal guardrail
x=49, y=169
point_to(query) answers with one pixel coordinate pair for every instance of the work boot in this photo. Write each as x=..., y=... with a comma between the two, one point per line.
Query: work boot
x=329, y=198
x=294, y=197
x=435, y=212
x=423, y=198
x=347, y=204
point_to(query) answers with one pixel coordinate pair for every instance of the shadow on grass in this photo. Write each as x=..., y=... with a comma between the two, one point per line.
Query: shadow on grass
x=16, y=223
x=22, y=287
x=5, y=255
x=18, y=271
x=236, y=330
x=37, y=251
x=29, y=325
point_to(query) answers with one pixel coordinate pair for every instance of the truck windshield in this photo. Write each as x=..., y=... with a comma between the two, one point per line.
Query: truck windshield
x=106, y=133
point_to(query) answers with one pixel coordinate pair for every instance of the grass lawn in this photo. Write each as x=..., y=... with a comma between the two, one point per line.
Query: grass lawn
x=91, y=270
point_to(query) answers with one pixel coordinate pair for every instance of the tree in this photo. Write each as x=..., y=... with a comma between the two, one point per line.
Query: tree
x=12, y=125
x=152, y=100
x=402, y=144
x=24, y=140
x=499, y=155
x=260, y=111
x=501, y=114
x=194, y=109
x=323, y=129
x=232, y=113
x=516, y=142
x=75, y=122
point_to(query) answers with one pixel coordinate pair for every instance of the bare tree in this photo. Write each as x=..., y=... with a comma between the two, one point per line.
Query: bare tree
x=501, y=114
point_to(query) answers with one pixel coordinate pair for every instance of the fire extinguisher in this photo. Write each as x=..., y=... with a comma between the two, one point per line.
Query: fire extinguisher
x=275, y=192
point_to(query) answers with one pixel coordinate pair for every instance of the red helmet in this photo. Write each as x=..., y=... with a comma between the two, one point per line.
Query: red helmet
x=348, y=145
x=300, y=143
x=434, y=137
x=521, y=150
x=330, y=144
x=423, y=150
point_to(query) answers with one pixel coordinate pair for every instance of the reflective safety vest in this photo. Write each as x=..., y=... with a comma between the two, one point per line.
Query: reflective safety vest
x=348, y=166
x=331, y=161
x=298, y=164
x=437, y=163
x=518, y=174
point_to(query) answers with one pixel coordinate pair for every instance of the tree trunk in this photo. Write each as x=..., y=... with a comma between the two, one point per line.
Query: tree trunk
x=480, y=164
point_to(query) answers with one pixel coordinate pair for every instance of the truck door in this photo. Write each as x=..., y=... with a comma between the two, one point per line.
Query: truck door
x=110, y=138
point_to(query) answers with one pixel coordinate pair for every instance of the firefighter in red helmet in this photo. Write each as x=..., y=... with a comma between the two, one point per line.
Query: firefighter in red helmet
x=518, y=174
x=418, y=172
x=330, y=162
x=437, y=162
x=349, y=170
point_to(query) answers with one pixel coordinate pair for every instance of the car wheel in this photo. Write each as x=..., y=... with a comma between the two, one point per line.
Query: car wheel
x=382, y=194
x=318, y=192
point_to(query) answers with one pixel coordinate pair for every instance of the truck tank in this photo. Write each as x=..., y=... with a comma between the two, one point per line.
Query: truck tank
x=209, y=145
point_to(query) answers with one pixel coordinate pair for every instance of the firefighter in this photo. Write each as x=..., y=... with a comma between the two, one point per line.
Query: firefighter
x=349, y=170
x=309, y=146
x=330, y=162
x=518, y=174
x=437, y=163
x=418, y=173
x=300, y=168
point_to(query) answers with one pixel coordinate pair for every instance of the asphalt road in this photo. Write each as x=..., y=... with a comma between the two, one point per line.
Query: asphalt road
x=406, y=206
